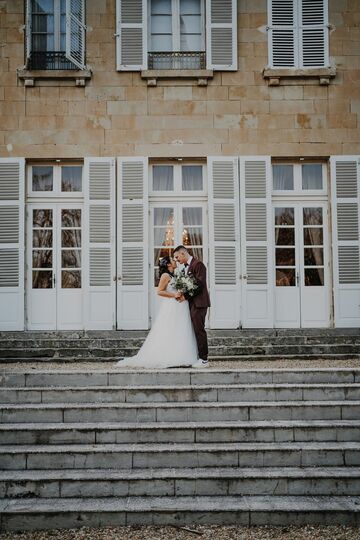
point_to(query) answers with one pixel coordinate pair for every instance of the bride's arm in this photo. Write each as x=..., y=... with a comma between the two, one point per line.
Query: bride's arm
x=163, y=283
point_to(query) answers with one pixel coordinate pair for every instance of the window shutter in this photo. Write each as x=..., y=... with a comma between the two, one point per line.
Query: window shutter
x=99, y=246
x=256, y=244
x=133, y=233
x=12, y=247
x=314, y=33
x=224, y=242
x=75, y=32
x=28, y=30
x=131, y=35
x=282, y=33
x=345, y=178
x=221, y=34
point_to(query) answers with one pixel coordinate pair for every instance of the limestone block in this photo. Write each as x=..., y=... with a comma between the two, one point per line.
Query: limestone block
x=135, y=107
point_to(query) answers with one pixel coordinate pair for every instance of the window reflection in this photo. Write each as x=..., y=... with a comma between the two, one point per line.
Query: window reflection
x=42, y=217
x=283, y=177
x=42, y=279
x=313, y=216
x=313, y=236
x=71, y=279
x=314, y=277
x=42, y=258
x=192, y=177
x=71, y=178
x=284, y=216
x=71, y=217
x=312, y=176
x=42, y=238
x=42, y=178
x=285, y=277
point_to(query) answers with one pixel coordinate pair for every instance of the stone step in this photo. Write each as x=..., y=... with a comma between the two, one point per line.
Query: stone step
x=30, y=514
x=229, y=340
x=134, y=456
x=194, y=411
x=178, y=432
x=180, y=482
x=273, y=350
x=210, y=376
x=182, y=393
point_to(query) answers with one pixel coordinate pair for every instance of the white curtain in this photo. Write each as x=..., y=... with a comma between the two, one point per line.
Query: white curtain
x=192, y=235
x=163, y=178
x=192, y=177
x=283, y=177
x=312, y=176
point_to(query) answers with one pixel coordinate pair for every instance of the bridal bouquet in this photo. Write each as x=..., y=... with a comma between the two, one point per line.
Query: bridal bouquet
x=184, y=284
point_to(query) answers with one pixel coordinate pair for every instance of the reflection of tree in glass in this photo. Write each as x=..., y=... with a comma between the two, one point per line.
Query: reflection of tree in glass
x=312, y=216
x=71, y=217
x=42, y=280
x=42, y=259
x=71, y=279
x=42, y=238
x=71, y=238
x=284, y=216
x=42, y=217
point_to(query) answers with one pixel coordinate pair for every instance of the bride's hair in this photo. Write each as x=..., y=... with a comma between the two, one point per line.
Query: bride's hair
x=163, y=266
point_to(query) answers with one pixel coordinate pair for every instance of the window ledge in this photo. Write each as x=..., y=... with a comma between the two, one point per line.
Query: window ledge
x=274, y=75
x=153, y=75
x=79, y=77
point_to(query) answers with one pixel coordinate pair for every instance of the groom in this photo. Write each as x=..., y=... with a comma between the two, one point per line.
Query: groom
x=199, y=303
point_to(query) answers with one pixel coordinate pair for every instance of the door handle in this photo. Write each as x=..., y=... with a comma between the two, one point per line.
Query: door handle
x=297, y=279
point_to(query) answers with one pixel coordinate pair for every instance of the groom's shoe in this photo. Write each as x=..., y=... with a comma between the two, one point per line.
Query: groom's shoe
x=201, y=364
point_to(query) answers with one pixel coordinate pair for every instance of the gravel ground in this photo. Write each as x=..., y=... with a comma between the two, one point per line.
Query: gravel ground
x=187, y=533
x=245, y=364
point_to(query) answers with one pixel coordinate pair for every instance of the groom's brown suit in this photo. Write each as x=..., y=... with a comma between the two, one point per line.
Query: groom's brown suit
x=198, y=305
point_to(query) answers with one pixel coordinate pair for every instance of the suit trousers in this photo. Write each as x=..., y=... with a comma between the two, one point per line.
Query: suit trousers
x=198, y=320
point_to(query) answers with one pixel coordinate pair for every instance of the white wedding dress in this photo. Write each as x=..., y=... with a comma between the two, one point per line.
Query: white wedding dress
x=171, y=341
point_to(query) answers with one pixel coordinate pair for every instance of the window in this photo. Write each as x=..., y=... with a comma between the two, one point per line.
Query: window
x=305, y=178
x=177, y=179
x=55, y=180
x=298, y=34
x=177, y=34
x=171, y=35
x=55, y=34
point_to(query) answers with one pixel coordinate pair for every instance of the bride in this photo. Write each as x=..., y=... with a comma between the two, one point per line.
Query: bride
x=171, y=341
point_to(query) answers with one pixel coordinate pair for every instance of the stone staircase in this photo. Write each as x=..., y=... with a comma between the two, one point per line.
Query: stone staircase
x=224, y=345
x=179, y=446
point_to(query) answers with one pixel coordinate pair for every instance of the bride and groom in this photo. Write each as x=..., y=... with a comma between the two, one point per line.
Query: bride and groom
x=178, y=337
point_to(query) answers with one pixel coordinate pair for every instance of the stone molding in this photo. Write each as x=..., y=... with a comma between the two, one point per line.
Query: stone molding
x=77, y=77
x=274, y=76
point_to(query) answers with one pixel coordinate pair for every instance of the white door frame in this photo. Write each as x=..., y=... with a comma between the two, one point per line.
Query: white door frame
x=53, y=301
x=302, y=295
x=177, y=204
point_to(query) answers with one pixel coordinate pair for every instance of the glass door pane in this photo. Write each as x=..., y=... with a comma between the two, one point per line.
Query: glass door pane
x=192, y=230
x=285, y=252
x=70, y=248
x=42, y=248
x=163, y=228
x=313, y=238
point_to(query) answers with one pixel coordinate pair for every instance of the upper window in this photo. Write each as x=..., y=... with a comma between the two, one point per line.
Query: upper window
x=177, y=34
x=298, y=33
x=305, y=178
x=55, y=180
x=170, y=34
x=55, y=34
x=186, y=179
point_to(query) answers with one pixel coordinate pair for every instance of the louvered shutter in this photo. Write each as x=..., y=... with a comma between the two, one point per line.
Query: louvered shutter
x=12, y=247
x=75, y=32
x=283, y=42
x=224, y=242
x=221, y=34
x=99, y=243
x=133, y=265
x=256, y=244
x=314, y=34
x=131, y=35
x=345, y=181
x=28, y=30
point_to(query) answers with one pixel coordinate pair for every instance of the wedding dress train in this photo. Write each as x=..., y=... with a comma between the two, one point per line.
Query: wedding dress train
x=171, y=341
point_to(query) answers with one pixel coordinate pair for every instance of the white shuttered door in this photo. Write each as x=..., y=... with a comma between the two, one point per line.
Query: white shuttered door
x=12, y=182
x=221, y=34
x=99, y=243
x=132, y=234
x=298, y=33
x=224, y=242
x=256, y=245
x=345, y=185
x=75, y=32
x=131, y=35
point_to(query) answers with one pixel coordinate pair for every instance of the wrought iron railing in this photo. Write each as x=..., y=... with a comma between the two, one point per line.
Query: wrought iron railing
x=177, y=60
x=49, y=60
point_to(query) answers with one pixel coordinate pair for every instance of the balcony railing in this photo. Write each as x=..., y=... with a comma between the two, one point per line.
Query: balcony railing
x=177, y=60
x=49, y=60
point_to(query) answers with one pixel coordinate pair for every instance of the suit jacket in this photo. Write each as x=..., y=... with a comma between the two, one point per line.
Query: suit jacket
x=198, y=270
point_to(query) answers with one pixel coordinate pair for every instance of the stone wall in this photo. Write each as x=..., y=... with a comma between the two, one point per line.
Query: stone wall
x=237, y=113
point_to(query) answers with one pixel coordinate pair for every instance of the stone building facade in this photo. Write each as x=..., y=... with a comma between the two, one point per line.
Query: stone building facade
x=247, y=151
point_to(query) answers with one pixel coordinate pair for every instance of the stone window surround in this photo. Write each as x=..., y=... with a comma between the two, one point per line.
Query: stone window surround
x=277, y=76
x=75, y=77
